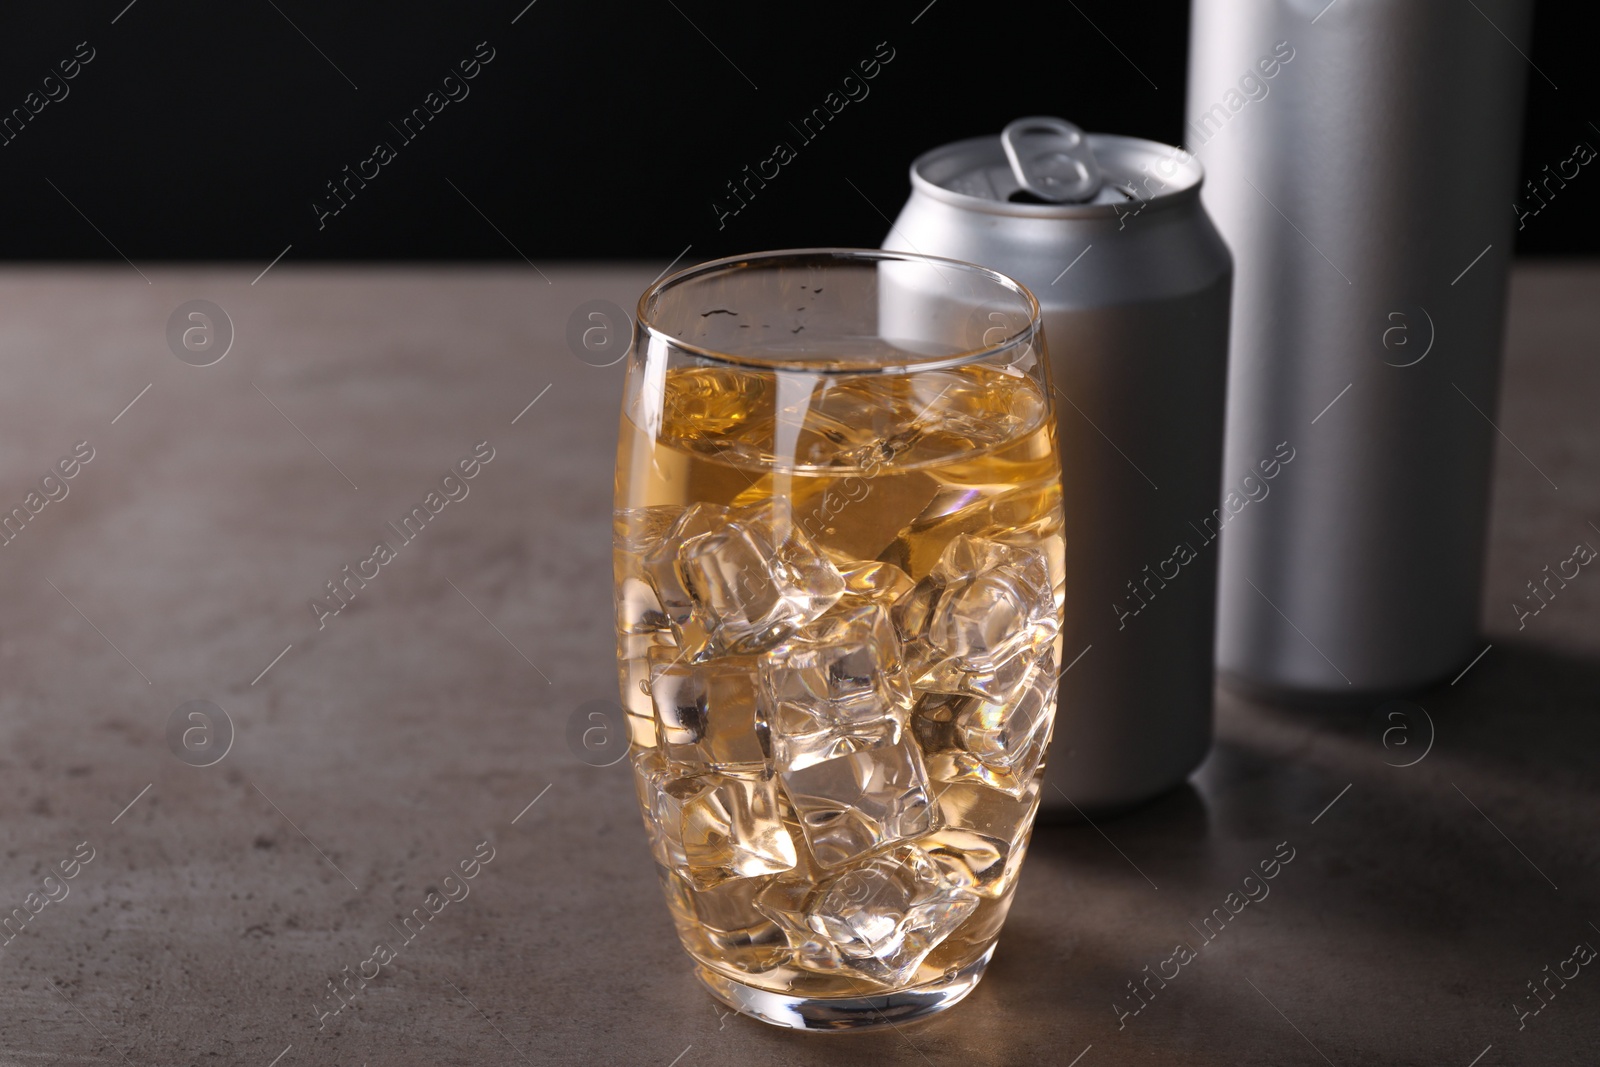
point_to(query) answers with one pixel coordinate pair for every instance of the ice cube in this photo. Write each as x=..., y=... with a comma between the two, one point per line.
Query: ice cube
x=863, y=801
x=974, y=935
x=835, y=687
x=1010, y=735
x=970, y=806
x=1024, y=513
x=981, y=606
x=639, y=611
x=633, y=678
x=882, y=582
x=1004, y=682
x=1000, y=743
x=984, y=835
x=757, y=578
x=706, y=713
x=660, y=565
x=998, y=601
x=715, y=825
x=878, y=919
x=722, y=924
x=933, y=724
x=968, y=858
x=727, y=574
x=783, y=899
x=638, y=532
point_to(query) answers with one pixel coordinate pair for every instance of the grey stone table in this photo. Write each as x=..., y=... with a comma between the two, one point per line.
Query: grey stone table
x=376, y=750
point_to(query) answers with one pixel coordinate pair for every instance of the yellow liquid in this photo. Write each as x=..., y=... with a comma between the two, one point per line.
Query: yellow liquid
x=838, y=615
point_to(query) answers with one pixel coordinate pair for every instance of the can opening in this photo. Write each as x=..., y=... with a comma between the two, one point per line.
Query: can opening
x=1022, y=196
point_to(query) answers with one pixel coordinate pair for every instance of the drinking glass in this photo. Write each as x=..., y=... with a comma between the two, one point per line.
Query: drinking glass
x=838, y=572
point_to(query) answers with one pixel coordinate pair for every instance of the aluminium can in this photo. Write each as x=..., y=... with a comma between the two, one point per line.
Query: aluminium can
x=1133, y=283
x=1361, y=163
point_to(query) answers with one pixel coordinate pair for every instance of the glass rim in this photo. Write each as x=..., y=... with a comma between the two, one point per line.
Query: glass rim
x=654, y=291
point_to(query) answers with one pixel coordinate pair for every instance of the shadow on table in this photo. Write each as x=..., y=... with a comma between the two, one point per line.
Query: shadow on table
x=1428, y=852
x=1524, y=718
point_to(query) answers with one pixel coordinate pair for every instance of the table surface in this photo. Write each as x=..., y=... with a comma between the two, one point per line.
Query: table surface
x=372, y=755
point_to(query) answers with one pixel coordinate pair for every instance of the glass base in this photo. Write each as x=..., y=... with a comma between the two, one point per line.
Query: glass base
x=823, y=1014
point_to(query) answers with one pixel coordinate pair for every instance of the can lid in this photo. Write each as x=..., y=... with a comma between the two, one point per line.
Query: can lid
x=1043, y=166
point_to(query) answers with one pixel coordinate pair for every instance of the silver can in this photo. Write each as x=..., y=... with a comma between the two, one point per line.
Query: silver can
x=1133, y=281
x=1361, y=164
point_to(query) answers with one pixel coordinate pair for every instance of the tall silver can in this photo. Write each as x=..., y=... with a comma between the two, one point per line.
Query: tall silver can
x=1361, y=163
x=1133, y=282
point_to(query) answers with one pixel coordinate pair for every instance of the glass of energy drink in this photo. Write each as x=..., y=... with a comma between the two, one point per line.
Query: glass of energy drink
x=838, y=573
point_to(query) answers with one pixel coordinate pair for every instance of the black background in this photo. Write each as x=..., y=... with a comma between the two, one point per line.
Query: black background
x=600, y=130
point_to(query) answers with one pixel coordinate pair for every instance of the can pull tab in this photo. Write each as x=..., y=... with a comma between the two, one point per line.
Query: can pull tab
x=1051, y=159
